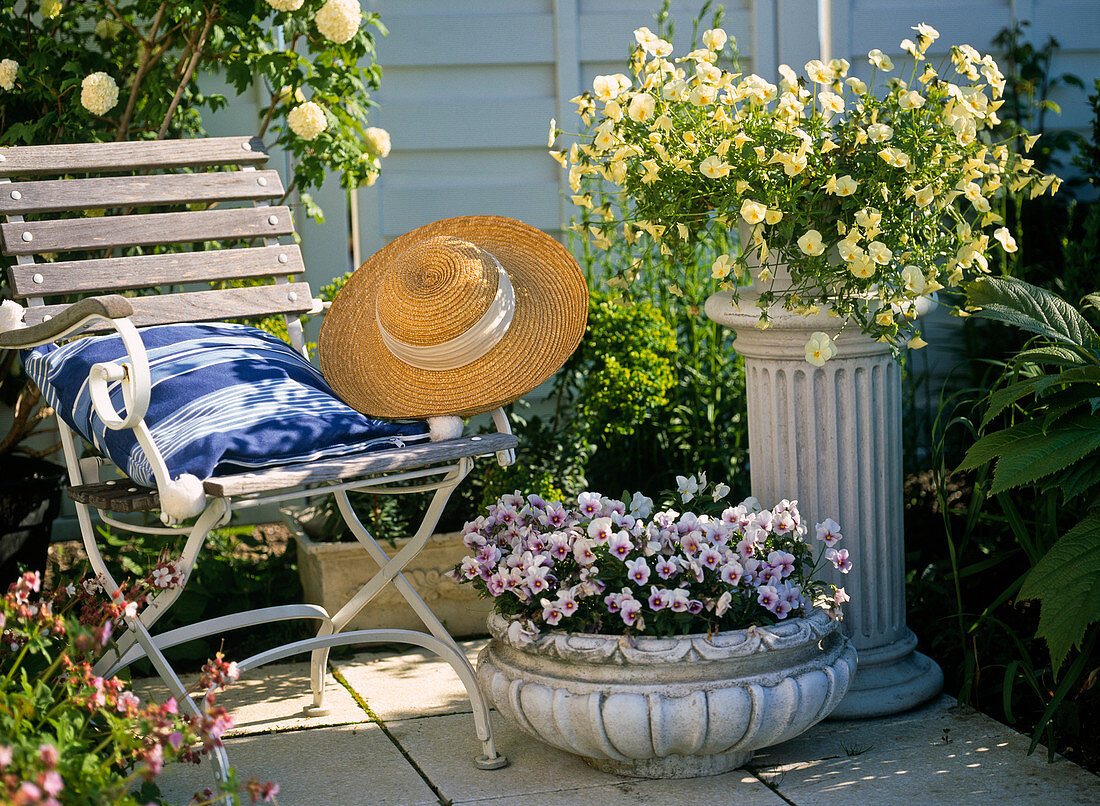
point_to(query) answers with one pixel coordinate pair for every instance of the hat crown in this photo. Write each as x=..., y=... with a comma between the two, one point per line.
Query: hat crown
x=436, y=290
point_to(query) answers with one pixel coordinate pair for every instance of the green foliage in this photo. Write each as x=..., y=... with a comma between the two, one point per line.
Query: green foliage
x=1052, y=441
x=153, y=53
x=1067, y=582
x=71, y=737
x=623, y=369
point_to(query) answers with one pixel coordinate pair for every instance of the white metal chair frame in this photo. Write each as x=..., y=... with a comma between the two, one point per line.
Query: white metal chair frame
x=441, y=477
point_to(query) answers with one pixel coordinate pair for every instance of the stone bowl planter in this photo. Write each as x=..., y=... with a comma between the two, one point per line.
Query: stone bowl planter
x=677, y=707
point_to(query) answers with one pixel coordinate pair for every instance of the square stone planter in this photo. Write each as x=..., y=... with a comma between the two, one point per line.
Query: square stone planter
x=332, y=572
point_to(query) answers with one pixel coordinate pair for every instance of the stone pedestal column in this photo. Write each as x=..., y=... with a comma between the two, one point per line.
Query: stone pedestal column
x=830, y=437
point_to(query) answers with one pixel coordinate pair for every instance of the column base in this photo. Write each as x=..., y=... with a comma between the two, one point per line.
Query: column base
x=889, y=680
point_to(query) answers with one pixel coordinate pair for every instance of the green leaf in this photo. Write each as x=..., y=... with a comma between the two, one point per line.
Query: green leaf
x=991, y=446
x=1030, y=308
x=1003, y=398
x=1067, y=584
x=1044, y=453
x=1052, y=354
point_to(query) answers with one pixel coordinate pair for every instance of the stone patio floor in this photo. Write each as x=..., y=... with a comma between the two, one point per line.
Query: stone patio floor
x=400, y=733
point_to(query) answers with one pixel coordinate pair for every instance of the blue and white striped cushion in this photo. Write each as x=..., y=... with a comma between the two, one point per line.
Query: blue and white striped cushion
x=226, y=399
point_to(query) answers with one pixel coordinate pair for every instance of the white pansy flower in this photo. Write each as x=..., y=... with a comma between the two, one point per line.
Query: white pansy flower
x=752, y=211
x=377, y=142
x=831, y=102
x=819, y=348
x=859, y=87
x=862, y=266
x=923, y=197
x=811, y=243
x=641, y=107
x=818, y=72
x=98, y=93
x=849, y=249
x=846, y=186
x=715, y=38
x=910, y=47
x=913, y=280
x=307, y=120
x=720, y=269
x=879, y=252
x=880, y=60
x=927, y=32
x=879, y=132
x=338, y=20
x=714, y=168
x=285, y=5
x=1005, y=238
x=8, y=70
x=911, y=100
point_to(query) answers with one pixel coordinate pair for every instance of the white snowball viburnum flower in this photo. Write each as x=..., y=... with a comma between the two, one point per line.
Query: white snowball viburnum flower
x=338, y=20
x=98, y=93
x=8, y=70
x=307, y=120
x=819, y=349
x=285, y=5
x=377, y=142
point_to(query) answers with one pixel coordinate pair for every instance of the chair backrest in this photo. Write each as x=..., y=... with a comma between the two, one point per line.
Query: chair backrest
x=111, y=217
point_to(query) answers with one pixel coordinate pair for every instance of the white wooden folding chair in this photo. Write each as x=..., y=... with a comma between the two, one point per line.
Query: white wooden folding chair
x=139, y=176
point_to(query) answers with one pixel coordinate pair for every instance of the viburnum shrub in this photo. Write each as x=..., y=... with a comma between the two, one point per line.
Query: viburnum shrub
x=604, y=566
x=69, y=736
x=872, y=193
x=100, y=70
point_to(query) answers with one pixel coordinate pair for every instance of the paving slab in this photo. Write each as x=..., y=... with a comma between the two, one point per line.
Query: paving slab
x=444, y=747
x=408, y=684
x=937, y=754
x=272, y=698
x=349, y=765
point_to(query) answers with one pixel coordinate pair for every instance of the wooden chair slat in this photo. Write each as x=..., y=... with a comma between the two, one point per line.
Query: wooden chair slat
x=30, y=237
x=205, y=306
x=146, y=271
x=364, y=464
x=130, y=157
x=52, y=195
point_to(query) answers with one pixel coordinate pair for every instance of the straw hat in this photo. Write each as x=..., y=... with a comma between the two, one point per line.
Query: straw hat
x=457, y=317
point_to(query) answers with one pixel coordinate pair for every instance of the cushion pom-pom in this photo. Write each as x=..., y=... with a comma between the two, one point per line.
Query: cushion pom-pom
x=184, y=498
x=441, y=428
x=11, y=316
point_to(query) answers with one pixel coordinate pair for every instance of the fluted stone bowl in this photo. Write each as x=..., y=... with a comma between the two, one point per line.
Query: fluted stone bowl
x=678, y=707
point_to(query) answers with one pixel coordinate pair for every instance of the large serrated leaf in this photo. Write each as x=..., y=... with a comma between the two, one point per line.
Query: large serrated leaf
x=1044, y=453
x=1030, y=308
x=1003, y=398
x=993, y=445
x=1067, y=584
x=1077, y=480
x=1053, y=354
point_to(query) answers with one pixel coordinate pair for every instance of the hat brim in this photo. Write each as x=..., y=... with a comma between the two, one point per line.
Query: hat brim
x=551, y=312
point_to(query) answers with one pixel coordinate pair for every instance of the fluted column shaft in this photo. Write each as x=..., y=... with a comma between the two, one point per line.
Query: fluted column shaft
x=830, y=437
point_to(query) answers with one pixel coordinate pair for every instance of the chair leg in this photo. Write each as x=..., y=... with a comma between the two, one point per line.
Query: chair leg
x=390, y=572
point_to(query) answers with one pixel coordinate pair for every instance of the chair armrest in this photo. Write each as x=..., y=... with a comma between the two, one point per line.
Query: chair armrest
x=70, y=320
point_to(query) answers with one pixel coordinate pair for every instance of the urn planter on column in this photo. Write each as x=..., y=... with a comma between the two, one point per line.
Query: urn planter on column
x=678, y=707
x=831, y=437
